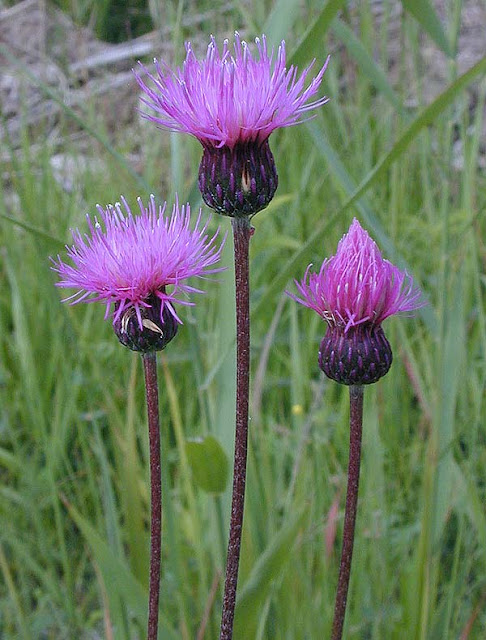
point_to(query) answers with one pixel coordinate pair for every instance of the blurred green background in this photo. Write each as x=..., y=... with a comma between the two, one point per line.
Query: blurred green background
x=402, y=146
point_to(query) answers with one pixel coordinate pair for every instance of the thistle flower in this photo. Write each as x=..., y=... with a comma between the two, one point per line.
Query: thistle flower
x=231, y=104
x=129, y=261
x=355, y=291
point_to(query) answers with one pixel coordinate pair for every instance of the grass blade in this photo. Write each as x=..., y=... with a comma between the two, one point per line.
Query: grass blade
x=366, y=63
x=311, y=43
x=424, y=13
x=266, y=569
x=281, y=19
x=120, y=583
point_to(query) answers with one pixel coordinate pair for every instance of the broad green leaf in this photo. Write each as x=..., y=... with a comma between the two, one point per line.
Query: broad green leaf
x=424, y=13
x=209, y=464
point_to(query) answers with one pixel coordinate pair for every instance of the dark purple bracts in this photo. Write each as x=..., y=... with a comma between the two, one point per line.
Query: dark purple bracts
x=238, y=181
x=362, y=355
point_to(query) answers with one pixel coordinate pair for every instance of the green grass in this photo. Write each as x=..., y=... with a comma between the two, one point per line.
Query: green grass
x=73, y=443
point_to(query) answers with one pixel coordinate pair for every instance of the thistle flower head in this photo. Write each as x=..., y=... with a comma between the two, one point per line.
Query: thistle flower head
x=230, y=98
x=129, y=261
x=231, y=102
x=355, y=291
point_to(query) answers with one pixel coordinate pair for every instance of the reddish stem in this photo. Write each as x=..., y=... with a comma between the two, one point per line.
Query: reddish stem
x=241, y=233
x=355, y=423
x=152, y=397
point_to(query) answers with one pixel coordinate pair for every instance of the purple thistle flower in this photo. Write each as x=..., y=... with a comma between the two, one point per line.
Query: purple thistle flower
x=231, y=104
x=355, y=291
x=226, y=100
x=129, y=261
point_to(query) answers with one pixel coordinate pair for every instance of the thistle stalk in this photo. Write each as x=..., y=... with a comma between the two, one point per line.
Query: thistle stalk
x=127, y=262
x=241, y=233
x=152, y=398
x=232, y=103
x=354, y=291
x=355, y=423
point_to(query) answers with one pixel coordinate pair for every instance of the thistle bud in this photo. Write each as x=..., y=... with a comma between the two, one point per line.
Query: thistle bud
x=361, y=355
x=354, y=292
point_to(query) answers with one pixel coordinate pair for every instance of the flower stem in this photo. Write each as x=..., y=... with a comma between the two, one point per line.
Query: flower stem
x=355, y=423
x=152, y=397
x=241, y=232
